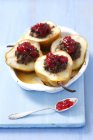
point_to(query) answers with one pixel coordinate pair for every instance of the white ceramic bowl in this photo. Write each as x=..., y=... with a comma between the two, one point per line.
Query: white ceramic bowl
x=41, y=87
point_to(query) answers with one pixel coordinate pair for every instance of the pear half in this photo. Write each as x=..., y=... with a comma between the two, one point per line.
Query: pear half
x=53, y=78
x=46, y=41
x=79, y=61
x=11, y=59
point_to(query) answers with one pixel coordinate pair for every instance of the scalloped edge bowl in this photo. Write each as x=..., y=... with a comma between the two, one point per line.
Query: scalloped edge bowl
x=41, y=87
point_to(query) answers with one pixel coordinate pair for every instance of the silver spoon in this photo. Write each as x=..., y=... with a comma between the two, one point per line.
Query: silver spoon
x=56, y=108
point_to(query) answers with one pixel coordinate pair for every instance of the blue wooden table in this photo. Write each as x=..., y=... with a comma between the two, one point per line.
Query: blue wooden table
x=15, y=17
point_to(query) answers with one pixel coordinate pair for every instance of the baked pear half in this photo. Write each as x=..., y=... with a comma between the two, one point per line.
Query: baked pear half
x=54, y=68
x=75, y=46
x=23, y=55
x=44, y=33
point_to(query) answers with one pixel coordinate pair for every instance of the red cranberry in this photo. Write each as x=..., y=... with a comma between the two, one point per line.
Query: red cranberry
x=70, y=44
x=26, y=53
x=64, y=104
x=55, y=63
x=41, y=30
x=26, y=47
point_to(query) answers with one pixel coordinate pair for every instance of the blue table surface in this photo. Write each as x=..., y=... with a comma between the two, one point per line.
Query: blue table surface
x=18, y=15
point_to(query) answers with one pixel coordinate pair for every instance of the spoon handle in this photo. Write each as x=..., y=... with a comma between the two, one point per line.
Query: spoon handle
x=24, y=114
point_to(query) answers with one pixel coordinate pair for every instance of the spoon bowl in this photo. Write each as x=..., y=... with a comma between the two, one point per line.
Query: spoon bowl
x=72, y=100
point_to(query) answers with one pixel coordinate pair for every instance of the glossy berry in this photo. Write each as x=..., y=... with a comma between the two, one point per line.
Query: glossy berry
x=26, y=53
x=70, y=44
x=55, y=63
x=40, y=30
x=71, y=47
x=64, y=104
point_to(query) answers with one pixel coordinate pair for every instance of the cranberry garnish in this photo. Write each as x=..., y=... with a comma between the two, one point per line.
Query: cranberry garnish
x=64, y=104
x=70, y=44
x=40, y=30
x=26, y=53
x=71, y=47
x=55, y=63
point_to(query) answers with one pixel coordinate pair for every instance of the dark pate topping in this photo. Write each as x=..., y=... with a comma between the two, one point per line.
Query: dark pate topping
x=26, y=53
x=55, y=63
x=40, y=30
x=71, y=47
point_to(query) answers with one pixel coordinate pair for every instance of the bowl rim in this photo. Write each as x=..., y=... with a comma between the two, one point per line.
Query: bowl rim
x=41, y=87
